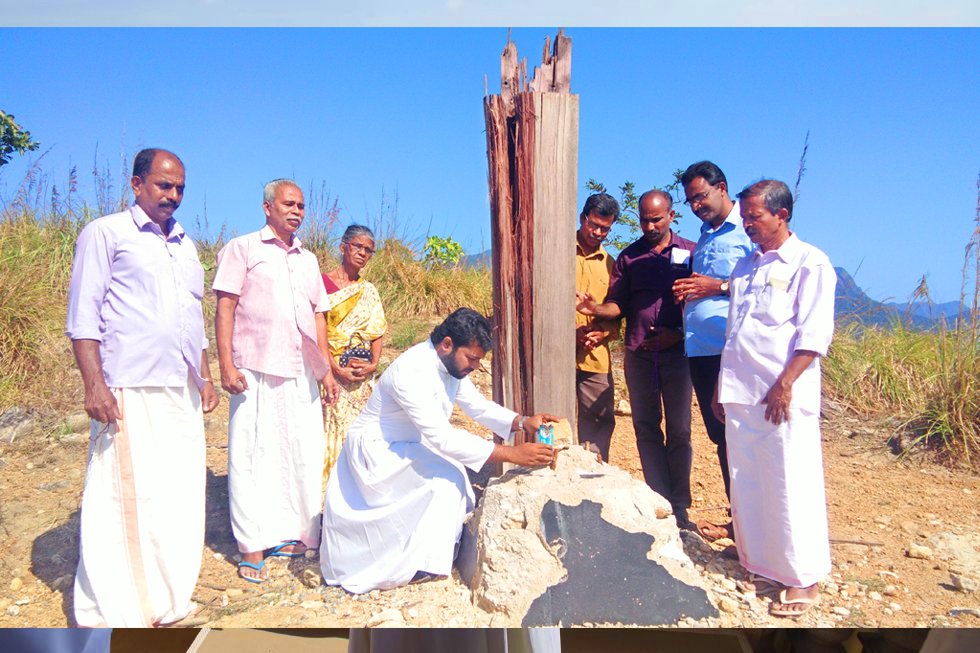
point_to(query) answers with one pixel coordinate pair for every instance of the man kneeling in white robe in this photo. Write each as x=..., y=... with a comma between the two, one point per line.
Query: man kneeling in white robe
x=396, y=501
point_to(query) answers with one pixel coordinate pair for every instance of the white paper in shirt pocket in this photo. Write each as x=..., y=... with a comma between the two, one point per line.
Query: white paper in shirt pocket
x=680, y=258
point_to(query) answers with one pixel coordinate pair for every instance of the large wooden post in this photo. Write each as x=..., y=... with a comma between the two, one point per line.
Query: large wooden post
x=532, y=151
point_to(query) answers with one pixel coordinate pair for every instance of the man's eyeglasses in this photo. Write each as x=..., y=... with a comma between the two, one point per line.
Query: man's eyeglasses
x=699, y=198
x=598, y=228
x=355, y=248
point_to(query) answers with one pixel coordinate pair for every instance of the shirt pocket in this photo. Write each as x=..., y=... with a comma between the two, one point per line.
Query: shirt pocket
x=775, y=304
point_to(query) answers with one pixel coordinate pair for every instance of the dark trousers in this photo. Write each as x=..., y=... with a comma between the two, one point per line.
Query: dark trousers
x=704, y=378
x=596, y=416
x=659, y=384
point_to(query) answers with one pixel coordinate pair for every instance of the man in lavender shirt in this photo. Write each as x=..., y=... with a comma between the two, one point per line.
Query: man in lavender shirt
x=657, y=375
x=137, y=330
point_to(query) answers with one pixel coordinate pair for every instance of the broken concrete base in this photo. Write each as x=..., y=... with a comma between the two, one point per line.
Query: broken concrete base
x=583, y=543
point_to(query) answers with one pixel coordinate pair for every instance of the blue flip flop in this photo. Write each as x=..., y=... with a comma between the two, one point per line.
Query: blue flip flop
x=251, y=565
x=277, y=551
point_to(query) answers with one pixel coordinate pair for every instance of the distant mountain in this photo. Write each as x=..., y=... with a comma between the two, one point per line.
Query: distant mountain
x=852, y=303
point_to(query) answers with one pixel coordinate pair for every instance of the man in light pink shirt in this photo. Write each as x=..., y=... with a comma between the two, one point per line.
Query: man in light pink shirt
x=272, y=349
x=137, y=330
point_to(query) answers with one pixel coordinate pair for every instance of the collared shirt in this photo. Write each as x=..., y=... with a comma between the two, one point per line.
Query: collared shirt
x=279, y=288
x=641, y=285
x=138, y=293
x=782, y=302
x=592, y=272
x=715, y=255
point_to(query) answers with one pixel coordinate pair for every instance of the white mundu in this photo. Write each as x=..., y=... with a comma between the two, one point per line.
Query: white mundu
x=142, y=533
x=454, y=640
x=782, y=302
x=396, y=501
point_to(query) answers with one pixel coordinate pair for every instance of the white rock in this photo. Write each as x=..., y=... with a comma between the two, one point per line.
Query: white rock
x=920, y=552
x=23, y=601
x=841, y=610
x=234, y=592
x=963, y=583
x=16, y=584
x=889, y=590
x=13, y=611
x=874, y=596
x=311, y=605
x=895, y=607
x=726, y=604
x=385, y=618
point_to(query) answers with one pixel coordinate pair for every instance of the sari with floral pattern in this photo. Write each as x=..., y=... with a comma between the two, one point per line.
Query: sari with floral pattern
x=355, y=316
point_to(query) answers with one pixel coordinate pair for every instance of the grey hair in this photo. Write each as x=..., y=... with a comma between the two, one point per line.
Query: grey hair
x=354, y=231
x=269, y=192
x=775, y=195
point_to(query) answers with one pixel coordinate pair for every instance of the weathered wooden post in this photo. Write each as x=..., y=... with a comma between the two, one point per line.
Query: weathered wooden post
x=532, y=151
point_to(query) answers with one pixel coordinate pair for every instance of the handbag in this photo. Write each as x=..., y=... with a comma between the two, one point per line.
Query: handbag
x=360, y=350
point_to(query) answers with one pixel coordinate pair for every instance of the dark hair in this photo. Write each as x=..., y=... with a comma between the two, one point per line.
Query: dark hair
x=464, y=326
x=775, y=195
x=143, y=162
x=602, y=203
x=657, y=191
x=712, y=174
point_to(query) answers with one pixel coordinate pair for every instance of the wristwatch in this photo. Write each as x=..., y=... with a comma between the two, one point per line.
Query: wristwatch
x=724, y=287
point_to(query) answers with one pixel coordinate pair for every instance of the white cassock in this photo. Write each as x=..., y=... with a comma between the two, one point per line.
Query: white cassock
x=396, y=502
x=782, y=302
x=454, y=640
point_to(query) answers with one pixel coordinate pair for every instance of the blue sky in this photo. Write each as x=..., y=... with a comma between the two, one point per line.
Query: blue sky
x=890, y=191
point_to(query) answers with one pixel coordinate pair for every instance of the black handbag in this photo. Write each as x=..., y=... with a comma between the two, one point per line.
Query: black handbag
x=361, y=351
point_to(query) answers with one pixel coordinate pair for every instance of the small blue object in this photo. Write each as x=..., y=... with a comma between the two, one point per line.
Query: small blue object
x=546, y=434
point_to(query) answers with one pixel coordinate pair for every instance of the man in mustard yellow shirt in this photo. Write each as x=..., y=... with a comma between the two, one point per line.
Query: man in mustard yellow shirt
x=593, y=374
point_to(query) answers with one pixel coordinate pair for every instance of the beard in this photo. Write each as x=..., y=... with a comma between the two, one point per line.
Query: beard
x=449, y=361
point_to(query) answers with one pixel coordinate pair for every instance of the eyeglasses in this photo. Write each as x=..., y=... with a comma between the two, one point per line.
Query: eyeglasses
x=355, y=248
x=699, y=198
x=598, y=228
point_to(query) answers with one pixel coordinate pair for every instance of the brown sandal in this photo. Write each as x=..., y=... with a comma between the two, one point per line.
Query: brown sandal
x=711, y=532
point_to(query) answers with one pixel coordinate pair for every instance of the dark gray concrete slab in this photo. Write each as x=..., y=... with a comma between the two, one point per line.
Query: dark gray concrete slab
x=610, y=579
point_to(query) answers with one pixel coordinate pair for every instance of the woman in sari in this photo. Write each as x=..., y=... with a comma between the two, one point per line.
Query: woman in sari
x=356, y=321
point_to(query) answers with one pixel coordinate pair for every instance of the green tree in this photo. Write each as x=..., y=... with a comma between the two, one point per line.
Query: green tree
x=13, y=138
x=441, y=252
x=629, y=208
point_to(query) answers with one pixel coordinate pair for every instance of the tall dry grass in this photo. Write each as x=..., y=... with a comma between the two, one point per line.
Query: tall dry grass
x=38, y=229
x=929, y=381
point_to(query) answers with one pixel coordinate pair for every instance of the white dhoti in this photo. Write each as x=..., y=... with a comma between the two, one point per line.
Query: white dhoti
x=778, y=503
x=142, y=515
x=392, y=509
x=275, y=461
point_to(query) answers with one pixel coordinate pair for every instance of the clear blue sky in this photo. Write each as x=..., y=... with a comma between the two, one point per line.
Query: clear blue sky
x=890, y=191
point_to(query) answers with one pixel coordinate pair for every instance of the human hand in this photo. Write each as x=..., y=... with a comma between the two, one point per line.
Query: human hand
x=585, y=303
x=361, y=369
x=593, y=339
x=100, y=404
x=696, y=286
x=531, y=454
x=233, y=381
x=331, y=390
x=209, y=397
x=777, y=401
x=533, y=422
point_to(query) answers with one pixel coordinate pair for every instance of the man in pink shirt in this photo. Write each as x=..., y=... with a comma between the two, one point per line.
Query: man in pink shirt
x=137, y=330
x=272, y=349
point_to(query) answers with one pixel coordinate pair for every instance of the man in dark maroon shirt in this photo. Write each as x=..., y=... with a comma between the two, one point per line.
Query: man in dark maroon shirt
x=657, y=375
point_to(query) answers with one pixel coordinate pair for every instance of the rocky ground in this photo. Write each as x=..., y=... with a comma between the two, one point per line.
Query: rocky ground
x=905, y=545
